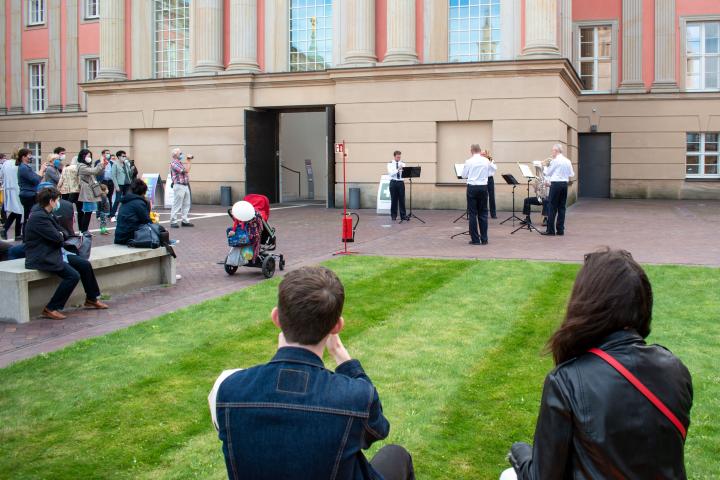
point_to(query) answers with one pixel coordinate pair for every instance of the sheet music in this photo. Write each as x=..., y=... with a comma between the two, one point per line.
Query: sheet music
x=525, y=171
x=459, y=169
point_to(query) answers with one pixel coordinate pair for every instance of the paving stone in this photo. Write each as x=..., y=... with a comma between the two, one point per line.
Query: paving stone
x=654, y=231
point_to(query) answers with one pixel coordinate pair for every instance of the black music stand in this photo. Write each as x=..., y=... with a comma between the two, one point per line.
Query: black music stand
x=410, y=173
x=458, y=174
x=510, y=180
x=525, y=225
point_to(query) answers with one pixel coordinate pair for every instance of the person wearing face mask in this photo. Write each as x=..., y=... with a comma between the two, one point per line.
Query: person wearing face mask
x=180, y=174
x=44, y=239
x=52, y=169
x=90, y=193
x=121, y=179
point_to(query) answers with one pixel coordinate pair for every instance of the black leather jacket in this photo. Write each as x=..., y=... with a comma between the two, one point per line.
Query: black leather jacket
x=593, y=424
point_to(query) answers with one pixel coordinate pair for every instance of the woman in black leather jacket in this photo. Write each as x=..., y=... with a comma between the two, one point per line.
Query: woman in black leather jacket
x=593, y=423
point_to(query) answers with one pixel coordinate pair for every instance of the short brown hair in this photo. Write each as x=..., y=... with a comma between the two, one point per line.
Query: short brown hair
x=397, y=152
x=310, y=303
x=611, y=293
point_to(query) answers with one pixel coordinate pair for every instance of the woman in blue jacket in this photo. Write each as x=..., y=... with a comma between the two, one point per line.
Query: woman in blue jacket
x=134, y=212
x=28, y=182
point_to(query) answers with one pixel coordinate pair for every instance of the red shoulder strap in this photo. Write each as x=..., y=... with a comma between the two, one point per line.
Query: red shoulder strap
x=642, y=388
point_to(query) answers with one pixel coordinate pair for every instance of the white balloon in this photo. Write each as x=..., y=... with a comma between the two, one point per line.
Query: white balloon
x=243, y=211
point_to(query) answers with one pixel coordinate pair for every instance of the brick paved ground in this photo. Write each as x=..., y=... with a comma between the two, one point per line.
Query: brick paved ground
x=681, y=232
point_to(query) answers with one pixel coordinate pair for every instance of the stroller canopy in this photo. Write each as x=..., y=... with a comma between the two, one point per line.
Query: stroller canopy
x=261, y=204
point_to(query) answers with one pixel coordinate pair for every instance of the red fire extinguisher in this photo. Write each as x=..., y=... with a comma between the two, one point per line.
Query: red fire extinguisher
x=348, y=228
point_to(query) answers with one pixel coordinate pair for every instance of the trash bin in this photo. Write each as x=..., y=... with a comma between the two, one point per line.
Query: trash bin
x=354, y=202
x=225, y=196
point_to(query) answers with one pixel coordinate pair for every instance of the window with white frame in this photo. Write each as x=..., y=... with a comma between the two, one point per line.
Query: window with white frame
x=595, y=58
x=37, y=91
x=701, y=160
x=36, y=151
x=172, y=38
x=35, y=12
x=474, y=30
x=91, y=69
x=92, y=9
x=702, y=50
x=311, y=35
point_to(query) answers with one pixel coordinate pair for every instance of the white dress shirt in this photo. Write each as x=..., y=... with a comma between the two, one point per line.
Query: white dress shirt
x=559, y=170
x=393, y=169
x=477, y=169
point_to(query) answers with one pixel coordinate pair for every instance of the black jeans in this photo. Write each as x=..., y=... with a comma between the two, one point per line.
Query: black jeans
x=393, y=462
x=477, y=206
x=27, y=203
x=118, y=198
x=397, y=197
x=556, y=207
x=17, y=218
x=77, y=269
x=84, y=221
x=534, y=201
x=491, y=196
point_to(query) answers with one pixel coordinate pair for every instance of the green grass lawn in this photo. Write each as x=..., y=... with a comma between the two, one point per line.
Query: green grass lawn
x=454, y=348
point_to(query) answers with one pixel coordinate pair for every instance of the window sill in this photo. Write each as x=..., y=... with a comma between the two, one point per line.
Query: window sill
x=702, y=179
x=35, y=26
x=90, y=20
x=596, y=92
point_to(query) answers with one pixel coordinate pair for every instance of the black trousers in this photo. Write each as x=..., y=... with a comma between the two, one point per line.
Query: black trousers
x=534, y=201
x=17, y=218
x=393, y=462
x=77, y=269
x=84, y=221
x=477, y=206
x=27, y=203
x=556, y=207
x=491, y=196
x=397, y=197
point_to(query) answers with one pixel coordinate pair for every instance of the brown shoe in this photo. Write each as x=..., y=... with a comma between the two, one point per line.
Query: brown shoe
x=97, y=304
x=53, y=314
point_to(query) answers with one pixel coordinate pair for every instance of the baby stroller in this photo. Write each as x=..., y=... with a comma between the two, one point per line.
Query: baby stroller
x=251, y=239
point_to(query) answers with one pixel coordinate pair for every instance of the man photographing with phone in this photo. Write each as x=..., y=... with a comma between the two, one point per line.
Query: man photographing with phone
x=293, y=418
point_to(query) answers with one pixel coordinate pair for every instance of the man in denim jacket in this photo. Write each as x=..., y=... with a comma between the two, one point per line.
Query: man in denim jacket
x=293, y=419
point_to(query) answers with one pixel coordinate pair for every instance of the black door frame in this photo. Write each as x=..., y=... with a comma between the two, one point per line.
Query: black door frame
x=329, y=111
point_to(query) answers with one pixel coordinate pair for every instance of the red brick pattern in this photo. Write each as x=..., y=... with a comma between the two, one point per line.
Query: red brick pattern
x=655, y=231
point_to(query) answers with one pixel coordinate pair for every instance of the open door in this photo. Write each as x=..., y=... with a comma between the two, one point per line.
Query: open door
x=330, y=115
x=261, y=154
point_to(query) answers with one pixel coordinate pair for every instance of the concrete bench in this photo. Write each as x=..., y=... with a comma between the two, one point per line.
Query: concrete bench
x=118, y=269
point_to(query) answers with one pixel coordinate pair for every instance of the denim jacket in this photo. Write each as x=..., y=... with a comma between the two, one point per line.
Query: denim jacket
x=293, y=419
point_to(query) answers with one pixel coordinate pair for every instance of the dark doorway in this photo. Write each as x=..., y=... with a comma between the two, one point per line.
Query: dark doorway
x=594, y=165
x=330, y=114
x=261, y=153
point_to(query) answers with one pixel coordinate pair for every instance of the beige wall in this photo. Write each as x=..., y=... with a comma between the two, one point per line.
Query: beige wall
x=649, y=143
x=429, y=112
x=302, y=136
x=56, y=130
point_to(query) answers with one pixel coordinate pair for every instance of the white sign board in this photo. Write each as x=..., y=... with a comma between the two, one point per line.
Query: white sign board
x=169, y=194
x=383, y=196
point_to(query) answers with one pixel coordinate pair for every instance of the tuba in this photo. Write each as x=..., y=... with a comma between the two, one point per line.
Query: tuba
x=539, y=182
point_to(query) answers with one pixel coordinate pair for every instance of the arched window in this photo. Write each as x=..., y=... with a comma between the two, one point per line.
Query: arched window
x=171, y=46
x=474, y=30
x=310, y=35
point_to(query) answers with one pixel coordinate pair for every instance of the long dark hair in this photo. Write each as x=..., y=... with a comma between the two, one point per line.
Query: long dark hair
x=611, y=293
x=22, y=153
x=82, y=155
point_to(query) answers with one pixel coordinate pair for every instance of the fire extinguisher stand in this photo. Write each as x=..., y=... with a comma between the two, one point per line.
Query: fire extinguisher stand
x=346, y=218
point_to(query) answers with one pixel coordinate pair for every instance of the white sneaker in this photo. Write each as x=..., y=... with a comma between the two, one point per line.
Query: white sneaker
x=178, y=277
x=113, y=220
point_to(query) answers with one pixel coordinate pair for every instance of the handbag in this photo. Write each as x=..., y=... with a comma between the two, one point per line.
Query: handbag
x=80, y=245
x=146, y=236
x=96, y=190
